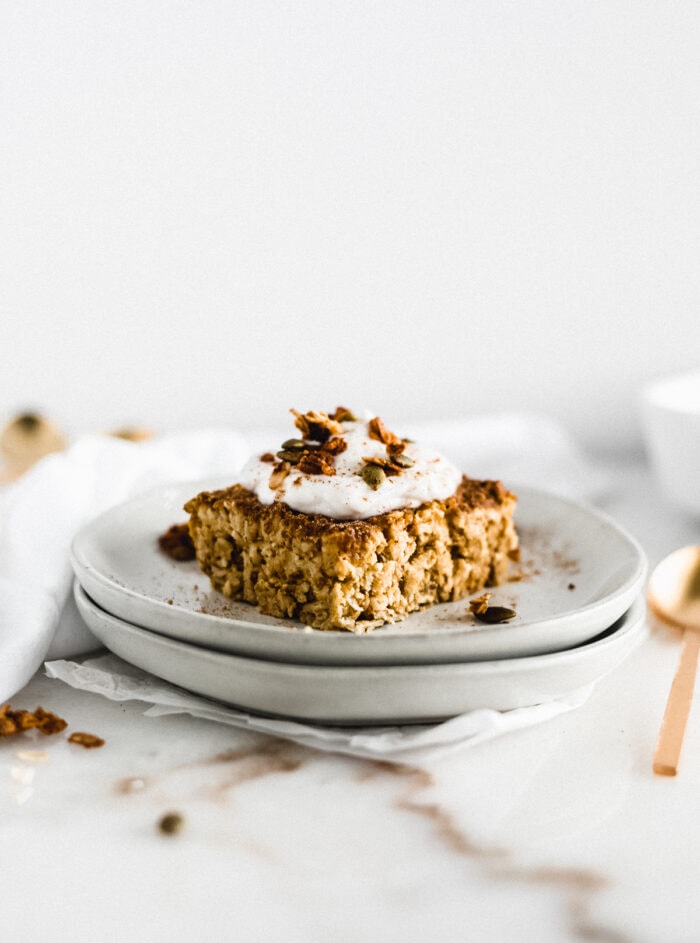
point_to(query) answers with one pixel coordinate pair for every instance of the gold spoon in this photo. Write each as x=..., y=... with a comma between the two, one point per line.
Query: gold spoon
x=674, y=598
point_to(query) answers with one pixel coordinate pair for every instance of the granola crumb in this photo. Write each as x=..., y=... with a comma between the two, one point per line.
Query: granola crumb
x=279, y=473
x=316, y=463
x=316, y=426
x=378, y=431
x=176, y=543
x=87, y=740
x=479, y=605
x=18, y=721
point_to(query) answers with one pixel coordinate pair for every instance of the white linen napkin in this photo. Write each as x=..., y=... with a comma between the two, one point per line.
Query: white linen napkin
x=42, y=511
x=40, y=514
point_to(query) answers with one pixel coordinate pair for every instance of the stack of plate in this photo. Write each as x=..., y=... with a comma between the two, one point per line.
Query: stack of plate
x=576, y=592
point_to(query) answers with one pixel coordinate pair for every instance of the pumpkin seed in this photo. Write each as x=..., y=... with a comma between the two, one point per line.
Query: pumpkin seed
x=494, y=614
x=294, y=445
x=171, y=823
x=374, y=476
x=402, y=460
x=290, y=455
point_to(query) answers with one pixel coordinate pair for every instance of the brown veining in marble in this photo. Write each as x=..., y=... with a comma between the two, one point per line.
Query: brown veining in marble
x=579, y=884
x=239, y=766
x=273, y=756
x=130, y=784
x=243, y=766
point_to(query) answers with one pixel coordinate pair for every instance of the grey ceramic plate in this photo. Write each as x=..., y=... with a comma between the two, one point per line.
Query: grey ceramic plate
x=578, y=573
x=354, y=694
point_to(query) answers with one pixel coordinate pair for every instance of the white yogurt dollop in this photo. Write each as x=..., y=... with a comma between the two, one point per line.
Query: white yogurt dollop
x=345, y=495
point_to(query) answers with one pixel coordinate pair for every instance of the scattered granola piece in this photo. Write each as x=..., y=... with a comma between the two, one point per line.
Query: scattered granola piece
x=87, y=740
x=334, y=446
x=17, y=721
x=316, y=426
x=279, y=473
x=491, y=614
x=312, y=458
x=343, y=414
x=49, y=723
x=176, y=543
x=268, y=457
x=316, y=463
x=390, y=467
x=378, y=431
x=479, y=605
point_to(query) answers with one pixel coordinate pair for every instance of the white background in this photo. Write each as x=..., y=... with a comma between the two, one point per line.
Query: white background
x=213, y=211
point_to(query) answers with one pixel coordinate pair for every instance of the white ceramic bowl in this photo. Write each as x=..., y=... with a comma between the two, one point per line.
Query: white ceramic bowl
x=671, y=419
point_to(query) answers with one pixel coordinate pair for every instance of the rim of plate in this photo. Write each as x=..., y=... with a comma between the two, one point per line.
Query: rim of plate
x=629, y=622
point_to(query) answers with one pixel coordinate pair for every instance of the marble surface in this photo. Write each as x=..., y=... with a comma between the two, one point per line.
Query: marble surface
x=557, y=833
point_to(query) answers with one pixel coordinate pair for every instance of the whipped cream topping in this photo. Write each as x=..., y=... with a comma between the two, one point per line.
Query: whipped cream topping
x=346, y=495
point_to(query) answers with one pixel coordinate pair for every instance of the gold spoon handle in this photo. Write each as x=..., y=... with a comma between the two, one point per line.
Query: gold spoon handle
x=668, y=747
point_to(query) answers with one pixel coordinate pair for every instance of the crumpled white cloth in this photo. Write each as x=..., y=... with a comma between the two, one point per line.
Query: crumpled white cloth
x=115, y=679
x=41, y=512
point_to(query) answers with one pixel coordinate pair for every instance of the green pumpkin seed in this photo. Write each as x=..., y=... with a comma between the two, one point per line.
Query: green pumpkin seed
x=171, y=823
x=294, y=445
x=402, y=460
x=374, y=476
x=290, y=455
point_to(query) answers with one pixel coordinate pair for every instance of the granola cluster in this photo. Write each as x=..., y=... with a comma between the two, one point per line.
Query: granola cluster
x=176, y=543
x=314, y=453
x=322, y=440
x=18, y=721
x=376, y=469
x=14, y=722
